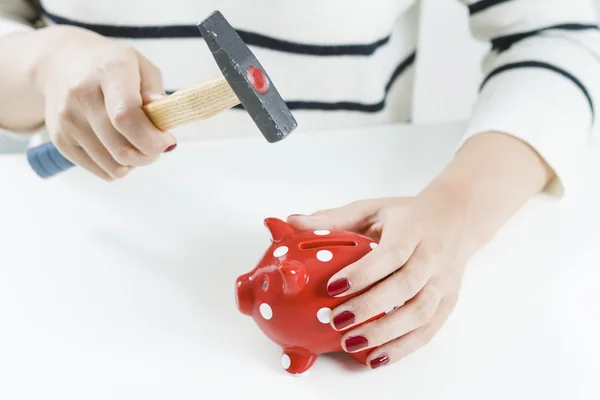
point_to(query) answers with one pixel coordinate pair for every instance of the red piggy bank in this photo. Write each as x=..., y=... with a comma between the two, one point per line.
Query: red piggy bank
x=286, y=294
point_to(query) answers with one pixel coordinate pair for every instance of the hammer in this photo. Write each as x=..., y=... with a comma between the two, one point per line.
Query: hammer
x=244, y=81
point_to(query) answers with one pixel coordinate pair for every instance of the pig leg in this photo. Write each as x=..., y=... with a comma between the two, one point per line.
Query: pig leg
x=296, y=360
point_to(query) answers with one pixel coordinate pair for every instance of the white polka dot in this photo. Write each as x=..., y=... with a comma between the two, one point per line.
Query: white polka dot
x=324, y=255
x=286, y=362
x=373, y=245
x=266, y=311
x=322, y=232
x=324, y=315
x=280, y=251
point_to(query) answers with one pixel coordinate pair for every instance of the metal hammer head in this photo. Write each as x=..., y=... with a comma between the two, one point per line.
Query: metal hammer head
x=247, y=78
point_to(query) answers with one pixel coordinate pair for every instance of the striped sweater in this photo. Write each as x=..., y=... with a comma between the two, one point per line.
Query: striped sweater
x=348, y=63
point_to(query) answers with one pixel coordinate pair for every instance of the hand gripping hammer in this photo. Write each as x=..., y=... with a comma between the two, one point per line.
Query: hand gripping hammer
x=244, y=81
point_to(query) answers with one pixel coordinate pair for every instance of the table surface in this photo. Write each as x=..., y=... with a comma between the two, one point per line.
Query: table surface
x=125, y=290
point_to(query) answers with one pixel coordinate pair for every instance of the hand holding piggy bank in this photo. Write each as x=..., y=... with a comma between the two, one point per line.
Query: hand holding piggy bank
x=286, y=294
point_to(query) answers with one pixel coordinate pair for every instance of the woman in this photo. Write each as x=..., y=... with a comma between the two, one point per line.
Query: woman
x=81, y=71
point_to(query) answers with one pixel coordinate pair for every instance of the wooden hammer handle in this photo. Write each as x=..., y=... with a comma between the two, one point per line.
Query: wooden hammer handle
x=195, y=103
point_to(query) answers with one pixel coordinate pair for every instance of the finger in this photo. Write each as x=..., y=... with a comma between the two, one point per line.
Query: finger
x=414, y=314
x=90, y=143
x=79, y=157
x=355, y=217
x=121, y=87
x=120, y=149
x=387, y=294
x=393, y=252
x=399, y=348
x=152, y=87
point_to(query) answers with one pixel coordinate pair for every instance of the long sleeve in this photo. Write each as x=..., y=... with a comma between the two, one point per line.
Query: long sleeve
x=15, y=15
x=541, y=78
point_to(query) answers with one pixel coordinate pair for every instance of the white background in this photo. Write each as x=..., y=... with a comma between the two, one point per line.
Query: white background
x=114, y=291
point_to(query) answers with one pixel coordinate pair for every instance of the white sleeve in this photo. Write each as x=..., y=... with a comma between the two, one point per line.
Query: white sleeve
x=542, y=78
x=16, y=15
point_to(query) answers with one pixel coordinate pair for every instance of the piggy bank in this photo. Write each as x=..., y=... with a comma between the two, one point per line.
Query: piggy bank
x=286, y=293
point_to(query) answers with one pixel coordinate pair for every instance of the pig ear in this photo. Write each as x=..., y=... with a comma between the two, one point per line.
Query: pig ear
x=278, y=229
x=294, y=276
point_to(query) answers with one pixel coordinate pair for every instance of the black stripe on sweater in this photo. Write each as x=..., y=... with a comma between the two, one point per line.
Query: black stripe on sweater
x=542, y=65
x=503, y=43
x=483, y=5
x=349, y=105
x=250, y=38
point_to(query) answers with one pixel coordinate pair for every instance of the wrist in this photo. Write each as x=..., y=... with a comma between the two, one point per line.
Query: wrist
x=448, y=202
x=47, y=40
x=57, y=44
x=488, y=180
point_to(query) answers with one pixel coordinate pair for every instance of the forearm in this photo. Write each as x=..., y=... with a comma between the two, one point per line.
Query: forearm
x=21, y=103
x=488, y=181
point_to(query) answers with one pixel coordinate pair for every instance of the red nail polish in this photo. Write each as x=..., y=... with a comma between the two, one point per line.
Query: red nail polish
x=343, y=320
x=379, y=362
x=170, y=148
x=356, y=343
x=338, y=287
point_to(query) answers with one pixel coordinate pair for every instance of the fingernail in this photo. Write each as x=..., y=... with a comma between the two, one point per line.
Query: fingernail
x=338, y=287
x=356, y=343
x=379, y=362
x=343, y=320
x=170, y=148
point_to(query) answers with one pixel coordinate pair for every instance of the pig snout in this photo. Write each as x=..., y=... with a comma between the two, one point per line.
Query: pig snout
x=244, y=294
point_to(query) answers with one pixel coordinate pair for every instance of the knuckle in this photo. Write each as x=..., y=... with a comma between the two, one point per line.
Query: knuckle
x=432, y=293
x=120, y=172
x=60, y=141
x=409, y=285
x=81, y=90
x=368, y=308
x=122, y=59
x=123, y=116
x=398, y=255
x=421, y=313
x=363, y=275
x=125, y=155
x=378, y=334
x=64, y=114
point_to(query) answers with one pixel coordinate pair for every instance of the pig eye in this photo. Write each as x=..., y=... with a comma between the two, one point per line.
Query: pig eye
x=265, y=284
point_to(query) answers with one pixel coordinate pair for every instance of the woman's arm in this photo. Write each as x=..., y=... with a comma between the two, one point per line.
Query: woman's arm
x=541, y=83
x=21, y=105
x=488, y=180
x=86, y=89
x=531, y=120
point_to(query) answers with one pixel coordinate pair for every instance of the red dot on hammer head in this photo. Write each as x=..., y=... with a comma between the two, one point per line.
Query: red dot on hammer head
x=258, y=80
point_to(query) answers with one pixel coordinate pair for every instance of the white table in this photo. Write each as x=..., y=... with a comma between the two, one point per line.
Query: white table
x=125, y=290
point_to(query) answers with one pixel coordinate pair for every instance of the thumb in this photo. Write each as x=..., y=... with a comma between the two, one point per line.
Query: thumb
x=152, y=87
x=357, y=217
